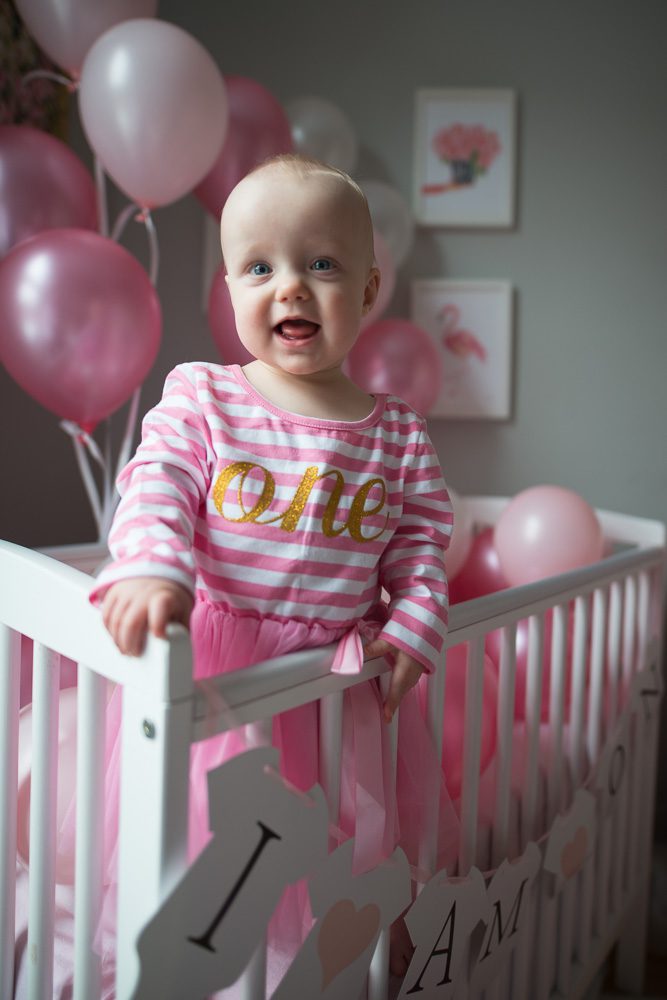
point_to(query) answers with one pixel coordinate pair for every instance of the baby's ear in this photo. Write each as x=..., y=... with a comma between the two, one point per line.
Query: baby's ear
x=371, y=291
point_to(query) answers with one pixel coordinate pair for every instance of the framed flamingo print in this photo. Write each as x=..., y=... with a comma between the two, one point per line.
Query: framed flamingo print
x=471, y=324
x=464, y=158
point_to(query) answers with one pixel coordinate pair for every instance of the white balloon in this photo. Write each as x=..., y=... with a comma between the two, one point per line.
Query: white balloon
x=461, y=540
x=321, y=130
x=391, y=217
x=66, y=29
x=153, y=105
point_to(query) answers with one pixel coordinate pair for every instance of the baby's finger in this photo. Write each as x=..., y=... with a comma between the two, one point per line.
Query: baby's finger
x=162, y=609
x=130, y=629
x=378, y=647
x=404, y=676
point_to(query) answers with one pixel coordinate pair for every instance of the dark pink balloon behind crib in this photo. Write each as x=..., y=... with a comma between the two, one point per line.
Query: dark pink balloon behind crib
x=80, y=322
x=43, y=185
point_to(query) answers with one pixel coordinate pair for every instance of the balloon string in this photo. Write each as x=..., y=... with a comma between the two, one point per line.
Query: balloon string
x=100, y=184
x=79, y=439
x=122, y=221
x=154, y=251
x=47, y=74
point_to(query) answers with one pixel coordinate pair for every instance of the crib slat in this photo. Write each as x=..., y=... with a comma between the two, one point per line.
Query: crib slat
x=579, y=657
x=331, y=734
x=533, y=718
x=91, y=718
x=629, y=626
x=558, y=681
x=43, y=798
x=599, y=631
x=10, y=666
x=505, y=730
x=614, y=651
x=471, y=755
x=435, y=707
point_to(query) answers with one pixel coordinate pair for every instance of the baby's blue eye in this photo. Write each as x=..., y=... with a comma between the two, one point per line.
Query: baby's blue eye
x=322, y=264
x=260, y=270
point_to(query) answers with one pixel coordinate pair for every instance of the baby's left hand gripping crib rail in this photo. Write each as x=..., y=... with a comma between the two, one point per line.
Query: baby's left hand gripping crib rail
x=47, y=602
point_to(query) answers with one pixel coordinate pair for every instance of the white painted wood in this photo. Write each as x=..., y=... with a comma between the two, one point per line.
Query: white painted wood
x=436, y=692
x=471, y=755
x=559, y=670
x=43, y=797
x=91, y=704
x=10, y=666
x=579, y=671
x=534, y=670
x=505, y=731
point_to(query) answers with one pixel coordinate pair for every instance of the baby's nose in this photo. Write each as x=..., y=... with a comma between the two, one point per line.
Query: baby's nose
x=291, y=286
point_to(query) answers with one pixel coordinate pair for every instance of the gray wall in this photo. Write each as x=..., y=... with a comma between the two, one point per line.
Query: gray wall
x=588, y=256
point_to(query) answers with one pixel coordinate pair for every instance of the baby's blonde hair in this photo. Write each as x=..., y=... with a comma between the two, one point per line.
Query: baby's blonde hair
x=303, y=166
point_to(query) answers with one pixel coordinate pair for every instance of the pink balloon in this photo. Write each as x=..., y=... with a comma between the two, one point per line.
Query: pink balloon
x=43, y=185
x=546, y=530
x=222, y=323
x=81, y=322
x=385, y=264
x=480, y=573
x=158, y=125
x=493, y=643
x=398, y=357
x=454, y=719
x=258, y=128
x=66, y=29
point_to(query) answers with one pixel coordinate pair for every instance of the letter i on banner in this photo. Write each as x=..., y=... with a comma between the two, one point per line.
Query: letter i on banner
x=265, y=836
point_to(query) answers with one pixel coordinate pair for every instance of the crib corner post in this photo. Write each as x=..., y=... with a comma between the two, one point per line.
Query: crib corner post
x=153, y=825
x=630, y=961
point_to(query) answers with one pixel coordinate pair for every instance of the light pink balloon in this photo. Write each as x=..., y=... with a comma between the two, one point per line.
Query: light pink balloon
x=385, y=264
x=396, y=356
x=81, y=322
x=66, y=29
x=453, y=732
x=546, y=530
x=43, y=185
x=154, y=109
x=222, y=323
x=461, y=540
x=480, y=573
x=257, y=129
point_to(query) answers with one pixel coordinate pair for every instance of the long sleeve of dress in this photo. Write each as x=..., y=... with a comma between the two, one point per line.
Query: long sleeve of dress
x=162, y=490
x=412, y=568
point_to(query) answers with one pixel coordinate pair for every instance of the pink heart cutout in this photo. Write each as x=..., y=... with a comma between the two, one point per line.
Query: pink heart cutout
x=344, y=935
x=574, y=853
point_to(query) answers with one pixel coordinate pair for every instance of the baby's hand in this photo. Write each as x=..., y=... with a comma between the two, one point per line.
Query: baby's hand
x=405, y=673
x=131, y=607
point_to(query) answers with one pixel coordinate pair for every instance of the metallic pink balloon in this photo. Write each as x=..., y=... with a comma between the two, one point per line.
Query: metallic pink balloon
x=480, y=573
x=66, y=29
x=80, y=325
x=398, y=357
x=258, y=128
x=154, y=108
x=222, y=323
x=43, y=185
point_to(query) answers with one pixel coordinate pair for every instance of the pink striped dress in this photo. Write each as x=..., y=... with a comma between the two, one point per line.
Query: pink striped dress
x=287, y=528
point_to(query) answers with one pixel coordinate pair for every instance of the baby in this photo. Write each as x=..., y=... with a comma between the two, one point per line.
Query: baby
x=269, y=505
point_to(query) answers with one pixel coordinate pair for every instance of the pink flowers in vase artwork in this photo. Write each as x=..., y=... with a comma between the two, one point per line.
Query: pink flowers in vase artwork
x=468, y=149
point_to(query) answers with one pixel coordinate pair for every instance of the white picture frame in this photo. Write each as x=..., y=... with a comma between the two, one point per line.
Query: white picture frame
x=471, y=323
x=465, y=158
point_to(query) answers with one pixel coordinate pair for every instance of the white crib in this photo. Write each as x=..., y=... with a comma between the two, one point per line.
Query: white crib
x=618, y=609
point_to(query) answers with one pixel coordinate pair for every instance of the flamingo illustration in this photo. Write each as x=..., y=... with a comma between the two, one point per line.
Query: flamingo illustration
x=462, y=343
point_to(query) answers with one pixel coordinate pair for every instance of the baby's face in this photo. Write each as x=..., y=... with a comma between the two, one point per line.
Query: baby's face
x=298, y=252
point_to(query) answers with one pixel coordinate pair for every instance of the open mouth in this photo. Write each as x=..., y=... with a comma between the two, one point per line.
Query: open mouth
x=296, y=330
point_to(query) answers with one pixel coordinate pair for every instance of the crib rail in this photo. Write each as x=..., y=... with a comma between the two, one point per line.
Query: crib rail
x=617, y=616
